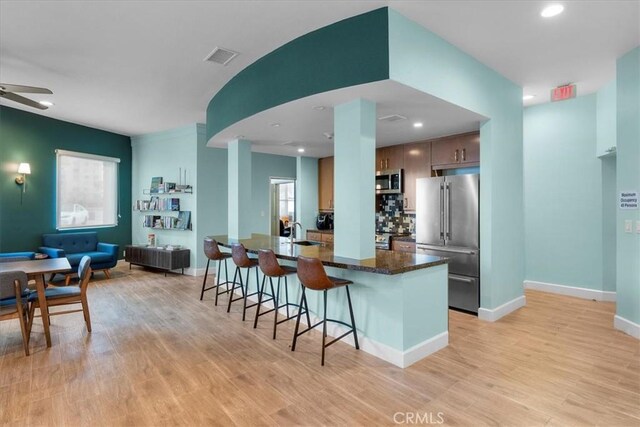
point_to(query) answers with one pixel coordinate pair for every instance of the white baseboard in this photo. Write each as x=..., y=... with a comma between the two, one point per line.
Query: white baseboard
x=626, y=326
x=572, y=291
x=491, y=315
x=401, y=359
x=194, y=271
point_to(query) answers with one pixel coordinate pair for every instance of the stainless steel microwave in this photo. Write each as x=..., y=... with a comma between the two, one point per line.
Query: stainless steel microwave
x=389, y=181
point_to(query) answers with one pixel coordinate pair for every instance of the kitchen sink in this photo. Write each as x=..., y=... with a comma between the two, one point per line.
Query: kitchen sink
x=306, y=243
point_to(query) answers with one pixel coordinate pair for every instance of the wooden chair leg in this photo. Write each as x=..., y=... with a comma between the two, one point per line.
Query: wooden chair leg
x=32, y=312
x=85, y=311
x=67, y=279
x=24, y=328
x=107, y=273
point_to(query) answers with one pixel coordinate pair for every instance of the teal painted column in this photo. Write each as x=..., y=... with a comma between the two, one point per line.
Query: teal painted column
x=239, y=194
x=628, y=179
x=306, y=192
x=354, y=179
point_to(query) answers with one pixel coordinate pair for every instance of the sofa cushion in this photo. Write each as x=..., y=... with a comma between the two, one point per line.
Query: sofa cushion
x=72, y=243
x=30, y=255
x=96, y=257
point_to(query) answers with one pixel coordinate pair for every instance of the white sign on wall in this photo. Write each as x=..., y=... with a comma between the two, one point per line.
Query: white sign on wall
x=628, y=200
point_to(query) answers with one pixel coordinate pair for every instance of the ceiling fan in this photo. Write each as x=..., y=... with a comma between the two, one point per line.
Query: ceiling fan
x=8, y=91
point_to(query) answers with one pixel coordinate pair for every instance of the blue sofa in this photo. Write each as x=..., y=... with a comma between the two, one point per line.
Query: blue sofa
x=30, y=255
x=76, y=245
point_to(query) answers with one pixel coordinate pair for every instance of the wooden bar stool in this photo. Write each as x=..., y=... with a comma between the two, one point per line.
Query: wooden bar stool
x=242, y=260
x=213, y=253
x=271, y=268
x=313, y=276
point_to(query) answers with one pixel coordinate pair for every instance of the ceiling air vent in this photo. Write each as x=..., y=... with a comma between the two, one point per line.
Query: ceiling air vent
x=392, y=118
x=221, y=56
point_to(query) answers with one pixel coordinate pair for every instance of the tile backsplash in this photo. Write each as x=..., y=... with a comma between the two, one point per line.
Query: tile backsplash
x=390, y=217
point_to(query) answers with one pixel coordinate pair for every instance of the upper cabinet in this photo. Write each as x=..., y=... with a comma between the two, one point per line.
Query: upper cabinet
x=456, y=151
x=390, y=158
x=417, y=164
x=325, y=184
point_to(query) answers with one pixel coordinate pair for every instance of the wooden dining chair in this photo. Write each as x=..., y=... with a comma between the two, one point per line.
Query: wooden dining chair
x=13, y=301
x=66, y=295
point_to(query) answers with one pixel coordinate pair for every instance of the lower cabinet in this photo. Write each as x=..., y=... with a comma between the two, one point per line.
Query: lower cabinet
x=400, y=246
x=319, y=236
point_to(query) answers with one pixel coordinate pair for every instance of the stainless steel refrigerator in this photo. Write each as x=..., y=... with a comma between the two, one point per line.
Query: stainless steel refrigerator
x=447, y=224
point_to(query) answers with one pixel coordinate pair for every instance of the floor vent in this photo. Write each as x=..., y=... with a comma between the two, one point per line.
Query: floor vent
x=221, y=56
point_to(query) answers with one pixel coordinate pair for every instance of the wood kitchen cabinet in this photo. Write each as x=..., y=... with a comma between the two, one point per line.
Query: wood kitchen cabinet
x=402, y=246
x=417, y=164
x=325, y=184
x=456, y=151
x=390, y=158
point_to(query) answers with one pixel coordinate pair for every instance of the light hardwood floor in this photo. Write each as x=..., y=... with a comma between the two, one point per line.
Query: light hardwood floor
x=159, y=356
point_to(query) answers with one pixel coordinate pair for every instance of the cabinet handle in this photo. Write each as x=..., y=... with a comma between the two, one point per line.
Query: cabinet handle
x=464, y=154
x=455, y=156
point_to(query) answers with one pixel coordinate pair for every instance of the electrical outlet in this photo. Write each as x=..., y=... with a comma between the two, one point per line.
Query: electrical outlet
x=628, y=226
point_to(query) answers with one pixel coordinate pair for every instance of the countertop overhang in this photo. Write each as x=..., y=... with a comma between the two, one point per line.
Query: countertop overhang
x=385, y=261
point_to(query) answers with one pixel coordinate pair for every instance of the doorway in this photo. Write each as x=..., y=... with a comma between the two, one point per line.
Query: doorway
x=283, y=206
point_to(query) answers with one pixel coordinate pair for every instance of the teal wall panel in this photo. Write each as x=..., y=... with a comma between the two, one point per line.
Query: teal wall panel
x=239, y=171
x=609, y=203
x=32, y=138
x=424, y=61
x=350, y=52
x=563, y=194
x=628, y=179
x=354, y=145
x=306, y=192
x=265, y=167
x=606, y=119
x=166, y=154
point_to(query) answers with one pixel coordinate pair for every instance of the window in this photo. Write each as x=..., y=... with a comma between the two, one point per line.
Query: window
x=87, y=190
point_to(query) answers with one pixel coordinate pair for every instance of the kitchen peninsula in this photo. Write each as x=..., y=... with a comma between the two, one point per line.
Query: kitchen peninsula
x=400, y=299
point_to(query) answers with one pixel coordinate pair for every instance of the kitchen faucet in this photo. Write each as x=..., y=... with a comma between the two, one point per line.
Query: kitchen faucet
x=293, y=233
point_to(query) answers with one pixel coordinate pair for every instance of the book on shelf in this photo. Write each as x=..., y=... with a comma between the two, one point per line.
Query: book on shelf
x=184, y=220
x=156, y=183
x=157, y=204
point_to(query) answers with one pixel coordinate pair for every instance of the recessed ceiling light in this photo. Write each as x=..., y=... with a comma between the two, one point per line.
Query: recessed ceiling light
x=319, y=107
x=300, y=150
x=328, y=135
x=552, y=10
x=275, y=125
x=417, y=125
x=528, y=97
x=46, y=103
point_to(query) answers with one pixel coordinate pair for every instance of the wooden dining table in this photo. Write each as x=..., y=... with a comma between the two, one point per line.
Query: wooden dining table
x=36, y=270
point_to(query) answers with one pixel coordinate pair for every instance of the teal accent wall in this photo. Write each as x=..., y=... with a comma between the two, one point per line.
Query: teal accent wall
x=32, y=138
x=306, y=192
x=606, y=118
x=354, y=125
x=350, y=52
x=422, y=60
x=563, y=187
x=265, y=167
x=628, y=178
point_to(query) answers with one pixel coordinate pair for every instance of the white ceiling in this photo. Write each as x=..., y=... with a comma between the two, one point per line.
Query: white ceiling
x=303, y=126
x=136, y=67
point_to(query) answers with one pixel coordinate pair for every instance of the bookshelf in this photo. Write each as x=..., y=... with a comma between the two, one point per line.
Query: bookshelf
x=162, y=209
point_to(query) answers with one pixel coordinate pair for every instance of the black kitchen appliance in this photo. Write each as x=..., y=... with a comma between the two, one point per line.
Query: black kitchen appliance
x=324, y=221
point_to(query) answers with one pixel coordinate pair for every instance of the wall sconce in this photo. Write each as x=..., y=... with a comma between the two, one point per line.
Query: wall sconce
x=24, y=169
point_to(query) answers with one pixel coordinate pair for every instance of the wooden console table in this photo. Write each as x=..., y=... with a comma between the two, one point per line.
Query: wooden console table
x=162, y=259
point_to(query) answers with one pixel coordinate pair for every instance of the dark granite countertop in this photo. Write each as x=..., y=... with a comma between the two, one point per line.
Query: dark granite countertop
x=385, y=262
x=320, y=231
